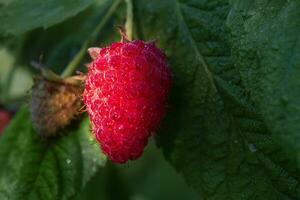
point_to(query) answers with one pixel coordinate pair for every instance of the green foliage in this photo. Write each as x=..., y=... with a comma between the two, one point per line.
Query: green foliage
x=150, y=177
x=220, y=131
x=233, y=123
x=33, y=168
x=266, y=46
x=57, y=45
x=18, y=16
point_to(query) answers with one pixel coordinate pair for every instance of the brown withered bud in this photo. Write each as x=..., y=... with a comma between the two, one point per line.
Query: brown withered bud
x=55, y=103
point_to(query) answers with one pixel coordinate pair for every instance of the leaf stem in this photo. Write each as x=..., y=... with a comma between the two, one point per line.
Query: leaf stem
x=73, y=64
x=129, y=19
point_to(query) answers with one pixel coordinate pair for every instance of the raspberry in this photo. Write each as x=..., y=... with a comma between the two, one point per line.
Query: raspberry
x=125, y=96
x=4, y=119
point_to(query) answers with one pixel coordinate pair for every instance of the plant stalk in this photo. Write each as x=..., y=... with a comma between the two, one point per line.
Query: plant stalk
x=73, y=64
x=129, y=19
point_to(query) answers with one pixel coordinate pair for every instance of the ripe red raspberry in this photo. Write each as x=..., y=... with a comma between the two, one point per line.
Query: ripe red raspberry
x=125, y=95
x=4, y=119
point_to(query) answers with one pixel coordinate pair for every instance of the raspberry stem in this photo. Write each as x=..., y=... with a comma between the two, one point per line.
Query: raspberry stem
x=129, y=19
x=93, y=36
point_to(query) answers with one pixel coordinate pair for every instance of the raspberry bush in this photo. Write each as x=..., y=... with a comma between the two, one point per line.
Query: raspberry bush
x=227, y=123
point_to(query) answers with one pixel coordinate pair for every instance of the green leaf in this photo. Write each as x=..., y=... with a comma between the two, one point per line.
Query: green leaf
x=33, y=168
x=266, y=46
x=18, y=16
x=214, y=133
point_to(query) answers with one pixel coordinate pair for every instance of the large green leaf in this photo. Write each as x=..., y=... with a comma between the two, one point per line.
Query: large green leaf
x=214, y=133
x=33, y=168
x=266, y=45
x=18, y=16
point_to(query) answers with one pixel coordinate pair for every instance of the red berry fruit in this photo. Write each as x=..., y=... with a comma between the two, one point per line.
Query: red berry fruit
x=4, y=119
x=125, y=95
